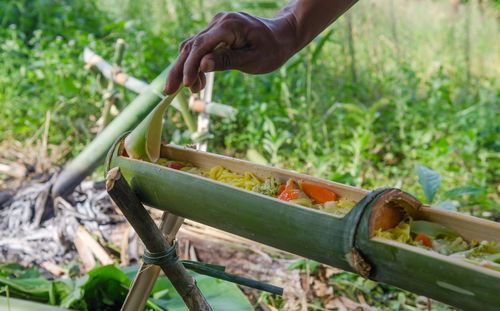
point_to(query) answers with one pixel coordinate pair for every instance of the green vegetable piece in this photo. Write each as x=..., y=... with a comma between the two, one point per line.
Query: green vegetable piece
x=302, y=201
x=268, y=187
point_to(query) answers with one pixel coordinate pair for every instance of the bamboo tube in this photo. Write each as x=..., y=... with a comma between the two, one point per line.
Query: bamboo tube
x=346, y=243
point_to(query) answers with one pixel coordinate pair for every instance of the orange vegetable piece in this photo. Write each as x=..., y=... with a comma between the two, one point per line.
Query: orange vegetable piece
x=318, y=193
x=426, y=241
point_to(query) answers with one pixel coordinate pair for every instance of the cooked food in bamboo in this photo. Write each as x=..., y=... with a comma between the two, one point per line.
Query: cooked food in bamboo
x=443, y=240
x=301, y=192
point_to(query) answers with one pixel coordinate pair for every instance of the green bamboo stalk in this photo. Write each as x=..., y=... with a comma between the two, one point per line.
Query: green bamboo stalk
x=85, y=163
x=340, y=242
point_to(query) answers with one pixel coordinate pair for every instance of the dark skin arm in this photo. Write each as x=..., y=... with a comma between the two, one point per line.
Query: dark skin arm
x=251, y=44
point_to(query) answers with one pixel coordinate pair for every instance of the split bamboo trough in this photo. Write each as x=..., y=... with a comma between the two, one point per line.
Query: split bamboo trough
x=347, y=243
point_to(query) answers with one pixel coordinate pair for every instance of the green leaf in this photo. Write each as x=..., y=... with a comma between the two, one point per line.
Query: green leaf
x=25, y=305
x=432, y=229
x=297, y=265
x=429, y=180
x=321, y=42
x=466, y=190
x=102, y=288
x=256, y=157
x=301, y=264
x=145, y=140
x=221, y=295
x=36, y=287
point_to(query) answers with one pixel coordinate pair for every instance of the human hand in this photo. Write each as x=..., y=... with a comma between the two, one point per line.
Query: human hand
x=232, y=41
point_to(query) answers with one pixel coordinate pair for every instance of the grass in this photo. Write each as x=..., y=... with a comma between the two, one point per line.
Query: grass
x=413, y=82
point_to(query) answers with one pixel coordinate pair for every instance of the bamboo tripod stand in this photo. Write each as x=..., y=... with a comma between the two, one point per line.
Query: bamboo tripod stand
x=169, y=226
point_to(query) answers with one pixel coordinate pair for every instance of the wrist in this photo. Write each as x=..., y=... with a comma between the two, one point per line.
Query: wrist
x=285, y=30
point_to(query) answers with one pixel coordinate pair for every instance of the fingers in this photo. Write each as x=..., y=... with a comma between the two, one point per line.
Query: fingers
x=224, y=59
x=174, y=79
x=186, y=68
x=200, y=46
x=199, y=84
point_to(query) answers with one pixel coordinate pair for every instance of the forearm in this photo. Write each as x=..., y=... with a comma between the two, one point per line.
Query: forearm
x=307, y=18
x=237, y=40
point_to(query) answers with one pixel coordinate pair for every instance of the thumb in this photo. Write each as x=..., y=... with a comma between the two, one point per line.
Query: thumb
x=224, y=59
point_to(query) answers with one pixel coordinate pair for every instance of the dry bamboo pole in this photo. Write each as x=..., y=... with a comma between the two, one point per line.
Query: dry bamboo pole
x=99, y=65
x=110, y=97
x=203, y=117
x=153, y=239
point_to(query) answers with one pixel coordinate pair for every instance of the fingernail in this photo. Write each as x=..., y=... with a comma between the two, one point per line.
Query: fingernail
x=210, y=65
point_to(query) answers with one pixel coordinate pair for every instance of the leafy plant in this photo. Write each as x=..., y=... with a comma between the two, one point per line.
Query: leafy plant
x=430, y=182
x=105, y=288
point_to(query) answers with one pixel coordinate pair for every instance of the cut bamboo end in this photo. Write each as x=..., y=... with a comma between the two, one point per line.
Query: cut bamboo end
x=390, y=209
x=112, y=176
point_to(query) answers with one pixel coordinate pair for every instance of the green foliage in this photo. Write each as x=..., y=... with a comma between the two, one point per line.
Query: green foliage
x=105, y=288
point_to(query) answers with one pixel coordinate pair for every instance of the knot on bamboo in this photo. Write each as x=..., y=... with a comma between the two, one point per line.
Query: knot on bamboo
x=166, y=257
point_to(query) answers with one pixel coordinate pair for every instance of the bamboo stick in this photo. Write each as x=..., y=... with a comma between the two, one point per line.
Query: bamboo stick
x=110, y=97
x=95, y=61
x=203, y=118
x=153, y=239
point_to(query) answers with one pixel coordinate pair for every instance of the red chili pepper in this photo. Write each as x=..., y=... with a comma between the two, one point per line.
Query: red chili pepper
x=288, y=195
x=175, y=165
x=281, y=188
x=426, y=241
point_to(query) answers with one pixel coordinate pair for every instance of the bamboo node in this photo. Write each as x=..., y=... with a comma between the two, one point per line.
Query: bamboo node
x=358, y=263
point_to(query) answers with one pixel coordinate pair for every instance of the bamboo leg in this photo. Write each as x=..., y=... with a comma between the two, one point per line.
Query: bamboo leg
x=147, y=274
x=153, y=239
